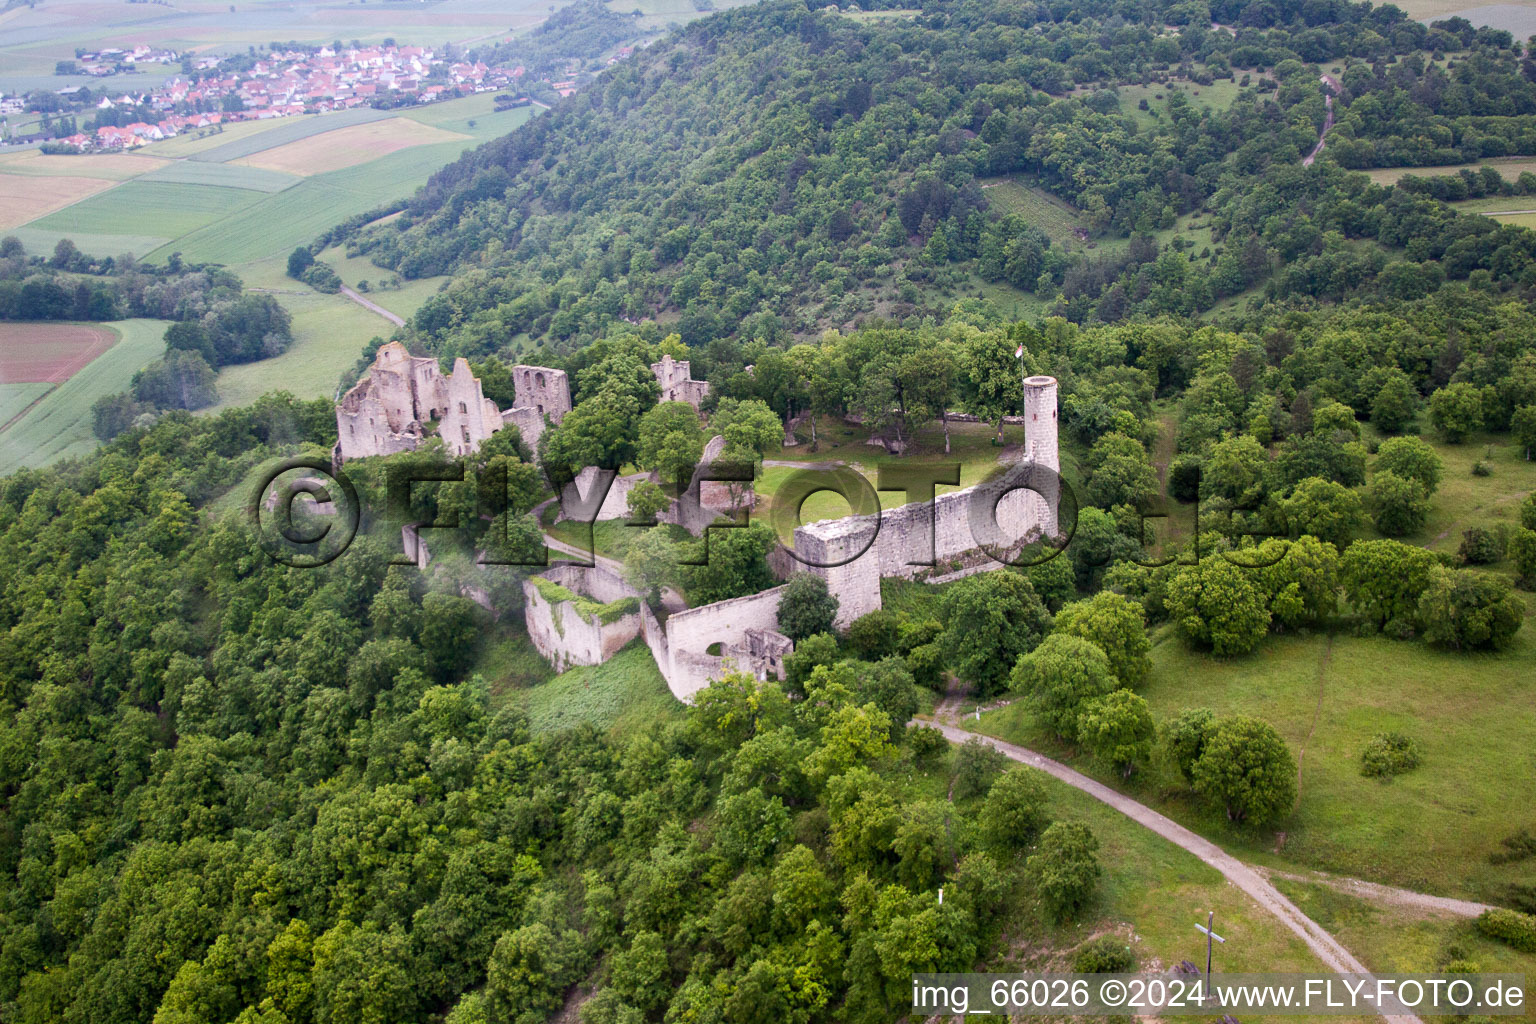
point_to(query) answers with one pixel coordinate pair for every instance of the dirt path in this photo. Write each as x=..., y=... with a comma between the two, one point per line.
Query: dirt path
x=373, y=306
x=1317, y=712
x=1250, y=880
x=1329, y=88
x=1389, y=895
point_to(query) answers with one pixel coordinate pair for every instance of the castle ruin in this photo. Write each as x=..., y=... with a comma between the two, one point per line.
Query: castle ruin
x=677, y=383
x=394, y=406
x=939, y=540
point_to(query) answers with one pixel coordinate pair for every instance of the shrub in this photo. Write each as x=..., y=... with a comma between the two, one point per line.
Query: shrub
x=806, y=607
x=1247, y=769
x=1528, y=511
x=1015, y=811
x=1117, y=624
x=977, y=766
x=873, y=636
x=1465, y=609
x=1059, y=677
x=1481, y=468
x=1412, y=459
x=1389, y=754
x=1479, y=547
x=1118, y=729
x=1522, y=551
x=1107, y=954
x=926, y=742
x=1185, y=738
x=1399, y=505
x=1065, y=869
x=1510, y=927
x=1220, y=606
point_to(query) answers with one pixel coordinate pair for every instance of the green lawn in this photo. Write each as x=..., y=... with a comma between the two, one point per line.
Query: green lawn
x=329, y=332
x=60, y=425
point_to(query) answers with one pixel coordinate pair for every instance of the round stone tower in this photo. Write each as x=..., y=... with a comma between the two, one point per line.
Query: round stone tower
x=1040, y=421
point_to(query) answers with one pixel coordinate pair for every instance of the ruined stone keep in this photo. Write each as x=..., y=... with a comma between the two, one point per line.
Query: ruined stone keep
x=395, y=405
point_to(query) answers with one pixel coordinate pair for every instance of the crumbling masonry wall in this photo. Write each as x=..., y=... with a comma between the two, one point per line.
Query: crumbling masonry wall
x=563, y=632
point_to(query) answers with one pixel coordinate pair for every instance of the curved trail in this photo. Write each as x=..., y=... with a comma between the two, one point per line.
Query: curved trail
x=1251, y=881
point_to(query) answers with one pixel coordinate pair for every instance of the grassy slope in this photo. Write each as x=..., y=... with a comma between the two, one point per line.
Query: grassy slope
x=60, y=425
x=329, y=332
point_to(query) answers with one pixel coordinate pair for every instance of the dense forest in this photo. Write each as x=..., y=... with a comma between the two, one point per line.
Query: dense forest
x=238, y=792
x=774, y=171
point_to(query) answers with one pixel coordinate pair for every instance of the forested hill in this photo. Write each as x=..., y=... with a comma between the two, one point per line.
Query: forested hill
x=774, y=170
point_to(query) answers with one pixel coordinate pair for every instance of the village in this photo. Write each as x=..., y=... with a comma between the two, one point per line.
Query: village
x=284, y=83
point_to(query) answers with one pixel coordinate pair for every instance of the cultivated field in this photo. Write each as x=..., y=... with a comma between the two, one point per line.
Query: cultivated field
x=15, y=398
x=24, y=197
x=60, y=424
x=110, y=166
x=191, y=172
x=348, y=147
x=152, y=209
x=249, y=218
x=283, y=130
x=51, y=353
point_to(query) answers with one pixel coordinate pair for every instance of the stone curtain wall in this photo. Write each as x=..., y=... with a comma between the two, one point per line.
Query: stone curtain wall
x=561, y=634
x=690, y=634
x=959, y=535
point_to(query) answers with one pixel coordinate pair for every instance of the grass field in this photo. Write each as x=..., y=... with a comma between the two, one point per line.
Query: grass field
x=329, y=332
x=1431, y=829
x=1510, y=168
x=402, y=301
x=349, y=146
x=149, y=208
x=60, y=424
x=1397, y=940
x=626, y=693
